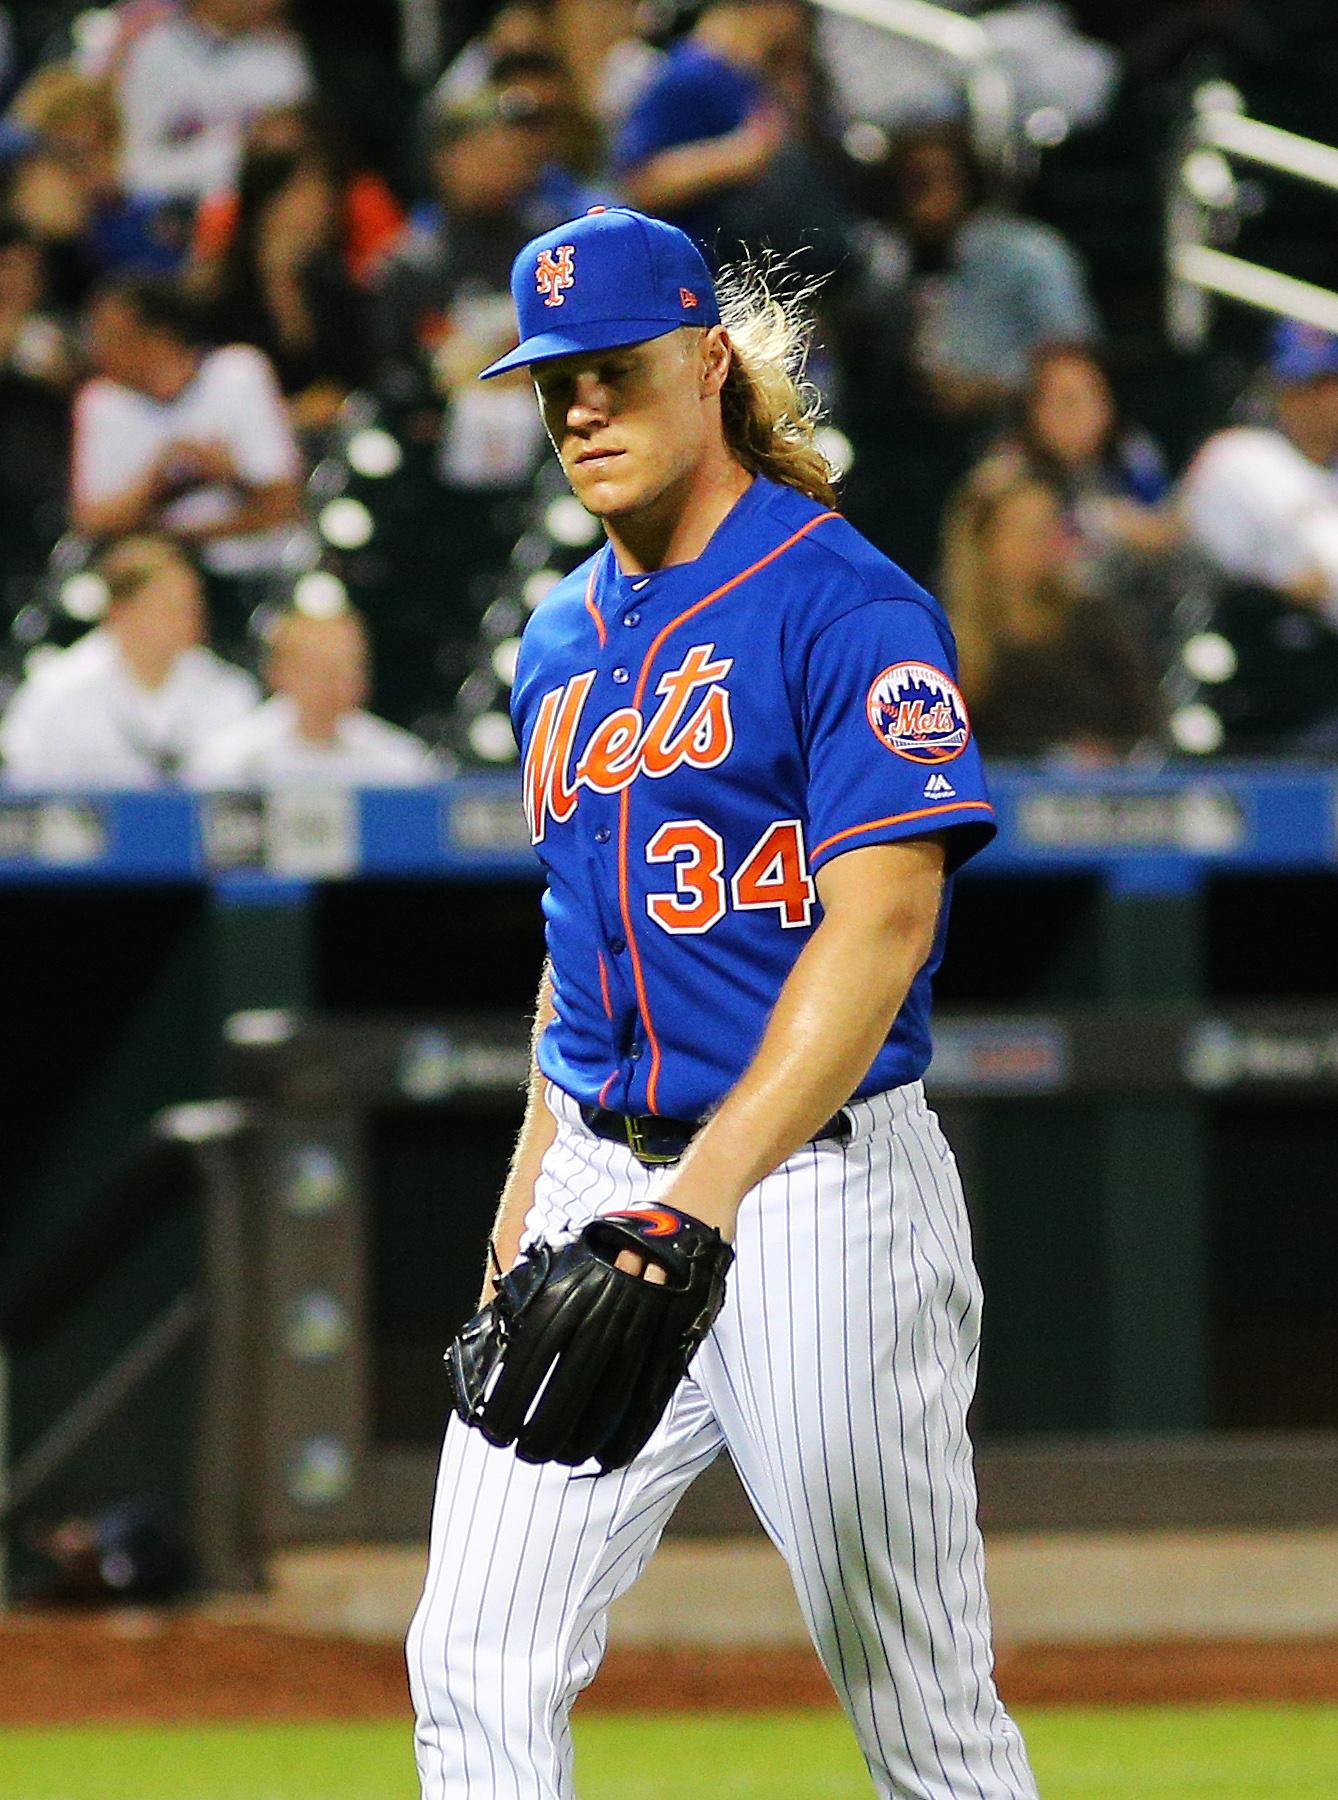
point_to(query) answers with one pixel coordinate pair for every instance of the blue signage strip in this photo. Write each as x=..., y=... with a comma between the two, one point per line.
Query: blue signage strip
x=1150, y=830
x=1163, y=830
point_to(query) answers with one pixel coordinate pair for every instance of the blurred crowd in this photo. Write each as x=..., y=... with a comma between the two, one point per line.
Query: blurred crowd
x=233, y=301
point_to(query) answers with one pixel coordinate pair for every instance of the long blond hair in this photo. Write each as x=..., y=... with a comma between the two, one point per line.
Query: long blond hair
x=769, y=411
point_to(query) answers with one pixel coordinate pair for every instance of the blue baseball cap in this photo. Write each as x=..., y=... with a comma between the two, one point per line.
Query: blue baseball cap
x=1300, y=352
x=610, y=278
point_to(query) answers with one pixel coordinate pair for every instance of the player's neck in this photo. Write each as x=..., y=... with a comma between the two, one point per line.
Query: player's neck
x=680, y=523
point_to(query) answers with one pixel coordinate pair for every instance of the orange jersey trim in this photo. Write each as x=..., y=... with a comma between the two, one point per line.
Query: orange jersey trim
x=601, y=630
x=624, y=803
x=604, y=986
x=925, y=812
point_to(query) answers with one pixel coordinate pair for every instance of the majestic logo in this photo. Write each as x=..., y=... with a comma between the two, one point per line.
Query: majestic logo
x=938, y=787
x=554, y=273
x=689, y=728
x=918, y=713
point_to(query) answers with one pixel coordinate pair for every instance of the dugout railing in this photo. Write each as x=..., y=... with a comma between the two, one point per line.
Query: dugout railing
x=967, y=47
x=1203, y=211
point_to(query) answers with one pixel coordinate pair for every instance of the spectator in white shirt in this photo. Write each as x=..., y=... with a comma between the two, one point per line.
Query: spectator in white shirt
x=313, y=731
x=189, y=82
x=126, y=704
x=176, y=437
x=1262, y=500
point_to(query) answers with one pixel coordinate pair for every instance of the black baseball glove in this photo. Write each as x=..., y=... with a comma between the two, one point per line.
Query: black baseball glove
x=575, y=1359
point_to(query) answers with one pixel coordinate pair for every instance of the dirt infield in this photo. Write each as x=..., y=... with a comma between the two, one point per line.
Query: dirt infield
x=152, y=1668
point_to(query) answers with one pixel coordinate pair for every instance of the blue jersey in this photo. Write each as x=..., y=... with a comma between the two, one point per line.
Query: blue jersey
x=696, y=744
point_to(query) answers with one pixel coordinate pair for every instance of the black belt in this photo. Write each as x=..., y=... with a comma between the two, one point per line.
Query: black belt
x=653, y=1139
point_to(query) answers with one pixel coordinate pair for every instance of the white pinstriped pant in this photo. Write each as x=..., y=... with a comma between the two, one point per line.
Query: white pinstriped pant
x=838, y=1375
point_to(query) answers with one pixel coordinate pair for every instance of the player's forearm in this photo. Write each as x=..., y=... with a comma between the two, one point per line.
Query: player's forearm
x=536, y=1134
x=830, y=1020
x=132, y=508
x=262, y=509
x=688, y=173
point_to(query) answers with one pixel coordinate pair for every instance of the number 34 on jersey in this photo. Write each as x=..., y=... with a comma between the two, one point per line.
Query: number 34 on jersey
x=690, y=728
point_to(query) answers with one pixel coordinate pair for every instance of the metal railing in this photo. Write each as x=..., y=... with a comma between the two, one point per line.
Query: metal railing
x=1203, y=202
x=990, y=99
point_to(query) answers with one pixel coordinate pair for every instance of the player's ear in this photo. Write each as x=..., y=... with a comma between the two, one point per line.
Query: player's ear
x=717, y=353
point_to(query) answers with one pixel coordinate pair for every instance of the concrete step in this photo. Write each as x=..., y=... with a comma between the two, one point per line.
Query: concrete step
x=1080, y=1588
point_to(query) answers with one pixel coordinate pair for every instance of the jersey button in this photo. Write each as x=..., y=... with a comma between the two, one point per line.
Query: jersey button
x=617, y=945
x=620, y=676
x=631, y=619
x=603, y=834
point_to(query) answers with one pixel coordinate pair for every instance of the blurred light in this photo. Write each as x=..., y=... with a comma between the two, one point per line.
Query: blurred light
x=836, y=447
x=504, y=659
x=320, y=595
x=1047, y=127
x=503, y=619
x=427, y=1068
x=374, y=453
x=358, y=412
x=347, y=524
x=36, y=660
x=320, y=1471
x=317, y=1327
x=69, y=553
x=117, y=1568
x=201, y=1121
x=865, y=142
x=478, y=691
x=1197, y=729
x=30, y=624
x=542, y=582
x=1218, y=96
x=298, y=551
x=315, y=1181
x=328, y=478
x=263, y=1027
x=85, y=596
x=1209, y=656
x=1207, y=175
x=94, y=33
x=567, y=522
x=490, y=738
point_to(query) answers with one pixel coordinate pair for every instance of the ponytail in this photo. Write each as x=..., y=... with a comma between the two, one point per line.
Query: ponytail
x=769, y=411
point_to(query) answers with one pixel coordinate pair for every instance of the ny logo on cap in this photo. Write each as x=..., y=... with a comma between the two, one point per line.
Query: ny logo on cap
x=554, y=272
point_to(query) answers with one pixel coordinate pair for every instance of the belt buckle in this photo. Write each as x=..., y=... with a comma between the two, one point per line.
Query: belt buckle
x=636, y=1142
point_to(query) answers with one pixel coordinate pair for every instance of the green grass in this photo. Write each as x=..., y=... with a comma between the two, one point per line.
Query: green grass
x=1154, y=1753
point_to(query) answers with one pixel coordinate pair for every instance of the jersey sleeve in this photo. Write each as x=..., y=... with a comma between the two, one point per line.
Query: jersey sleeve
x=98, y=463
x=889, y=744
x=261, y=435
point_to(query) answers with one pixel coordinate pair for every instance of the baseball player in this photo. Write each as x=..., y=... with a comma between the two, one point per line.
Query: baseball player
x=750, y=776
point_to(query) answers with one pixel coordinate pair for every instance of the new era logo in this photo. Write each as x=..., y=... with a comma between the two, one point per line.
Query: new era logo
x=938, y=787
x=687, y=297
